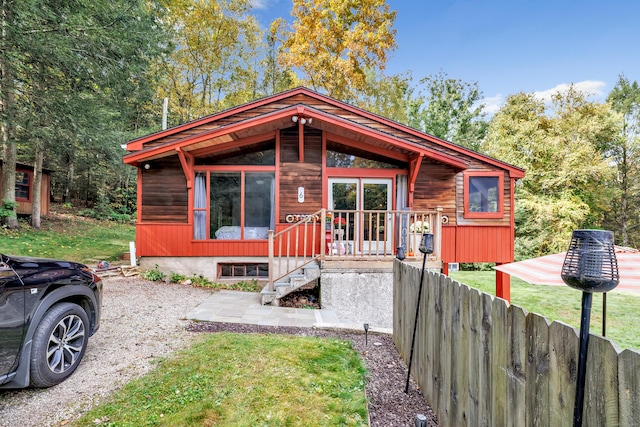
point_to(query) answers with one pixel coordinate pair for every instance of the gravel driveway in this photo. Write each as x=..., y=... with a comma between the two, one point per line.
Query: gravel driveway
x=141, y=320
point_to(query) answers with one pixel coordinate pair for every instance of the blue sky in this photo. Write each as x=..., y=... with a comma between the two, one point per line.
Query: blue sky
x=512, y=46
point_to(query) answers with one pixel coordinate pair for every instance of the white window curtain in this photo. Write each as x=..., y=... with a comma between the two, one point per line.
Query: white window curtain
x=272, y=223
x=200, y=202
x=402, y=201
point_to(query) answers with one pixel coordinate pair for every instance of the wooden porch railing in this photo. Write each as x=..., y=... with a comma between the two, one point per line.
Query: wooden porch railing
x=351, y=235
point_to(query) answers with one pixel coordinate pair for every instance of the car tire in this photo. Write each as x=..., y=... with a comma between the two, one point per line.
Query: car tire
x=59, y=343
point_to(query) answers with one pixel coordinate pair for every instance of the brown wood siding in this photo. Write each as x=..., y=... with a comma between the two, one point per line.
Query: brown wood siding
x=294, y=174
x=436, y=186
x=506, y=200
x=164, y=192
x=289, y=143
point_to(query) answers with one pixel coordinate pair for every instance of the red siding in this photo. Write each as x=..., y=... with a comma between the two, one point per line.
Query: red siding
x=177, y=240
x=449, y=243
x=477, y=244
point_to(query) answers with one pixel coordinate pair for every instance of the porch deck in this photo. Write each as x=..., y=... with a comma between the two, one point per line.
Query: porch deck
x=346, y=239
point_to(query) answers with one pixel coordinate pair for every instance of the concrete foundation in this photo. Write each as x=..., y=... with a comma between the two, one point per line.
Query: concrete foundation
x=188, y=266
x=358, y=296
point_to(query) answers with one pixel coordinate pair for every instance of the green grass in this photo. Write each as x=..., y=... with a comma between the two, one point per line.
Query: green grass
x=69, y=237
x=230, y=379
x=564, y=304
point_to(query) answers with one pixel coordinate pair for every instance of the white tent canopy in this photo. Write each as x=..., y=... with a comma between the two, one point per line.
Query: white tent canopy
x=546, y=270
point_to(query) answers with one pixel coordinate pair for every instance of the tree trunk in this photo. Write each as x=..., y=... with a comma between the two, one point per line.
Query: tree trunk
x=66, y=198
x=6, y=107
x=36, y=195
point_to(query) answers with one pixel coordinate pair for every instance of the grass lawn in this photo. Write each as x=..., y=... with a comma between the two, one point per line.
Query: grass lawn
x=564, y=304
x=228, y=379
x=71, y=238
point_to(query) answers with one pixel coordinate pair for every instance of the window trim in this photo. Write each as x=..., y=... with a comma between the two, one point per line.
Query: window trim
x=486, y=174
x=29, y=186
x=243, y=171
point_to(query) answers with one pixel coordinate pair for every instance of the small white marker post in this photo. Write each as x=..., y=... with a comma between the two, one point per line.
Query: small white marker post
x=132, y=253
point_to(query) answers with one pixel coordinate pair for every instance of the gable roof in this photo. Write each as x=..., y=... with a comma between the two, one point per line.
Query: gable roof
x=261, y=118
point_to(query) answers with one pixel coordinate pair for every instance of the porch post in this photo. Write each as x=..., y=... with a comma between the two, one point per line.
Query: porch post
x=503, y=286
x=271, y=259
x=323, y=233
x=438, y=230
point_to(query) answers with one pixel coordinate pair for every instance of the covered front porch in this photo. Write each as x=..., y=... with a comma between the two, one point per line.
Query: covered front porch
x=357, y=240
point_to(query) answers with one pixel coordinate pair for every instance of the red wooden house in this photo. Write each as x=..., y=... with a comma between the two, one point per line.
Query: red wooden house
x=24, y=189
x=263, y=188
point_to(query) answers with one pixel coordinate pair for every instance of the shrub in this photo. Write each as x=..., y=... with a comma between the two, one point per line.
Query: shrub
x=176, y=278
x=154, y=275
x=7, y=209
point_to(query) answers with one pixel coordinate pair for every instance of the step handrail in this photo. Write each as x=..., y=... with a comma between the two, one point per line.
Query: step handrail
x=297, y=244
x=294, y=259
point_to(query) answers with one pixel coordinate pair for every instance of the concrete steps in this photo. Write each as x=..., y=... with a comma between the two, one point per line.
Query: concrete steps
x=290, y=283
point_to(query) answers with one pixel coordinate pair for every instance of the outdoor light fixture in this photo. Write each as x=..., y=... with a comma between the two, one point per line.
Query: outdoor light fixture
x=420, y=421
x=302, y=120
x=589, y=266
x=426, y=247
x=147, y=166
x=366, y=333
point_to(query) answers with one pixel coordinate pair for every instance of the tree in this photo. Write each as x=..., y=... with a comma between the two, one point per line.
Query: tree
x=64, y=59
x=214, y=64
x=624, y=151
x=275, y=79
x=8, y=61
x=391, y=97
x=565, y=185
x=452, y=111
x=334, y=43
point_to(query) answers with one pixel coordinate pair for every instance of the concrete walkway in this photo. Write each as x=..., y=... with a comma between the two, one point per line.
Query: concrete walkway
x=245, y=307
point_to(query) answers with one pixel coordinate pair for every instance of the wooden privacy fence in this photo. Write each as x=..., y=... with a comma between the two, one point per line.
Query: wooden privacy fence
x=482, y=362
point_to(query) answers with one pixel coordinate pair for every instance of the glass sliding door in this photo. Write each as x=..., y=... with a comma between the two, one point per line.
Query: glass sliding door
x=344, y=195
x=369, y=233
x=376, y=196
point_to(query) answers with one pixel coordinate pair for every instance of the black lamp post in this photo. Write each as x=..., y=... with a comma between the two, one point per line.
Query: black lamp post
x=426, y=247
x=366, y=334
x=589, y=266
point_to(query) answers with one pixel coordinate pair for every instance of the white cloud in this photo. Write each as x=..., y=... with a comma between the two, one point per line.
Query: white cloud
x=588, y=87
x=260, y=4
x=492, y=104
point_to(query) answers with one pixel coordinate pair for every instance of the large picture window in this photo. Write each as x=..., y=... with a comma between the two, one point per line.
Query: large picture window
x=483, y=194
x=237, y=205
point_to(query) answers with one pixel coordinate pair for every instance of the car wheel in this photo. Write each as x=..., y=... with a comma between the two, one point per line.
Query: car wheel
x=58, y=344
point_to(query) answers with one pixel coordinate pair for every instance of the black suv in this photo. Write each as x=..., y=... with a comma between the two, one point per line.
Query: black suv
x=48, y=311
